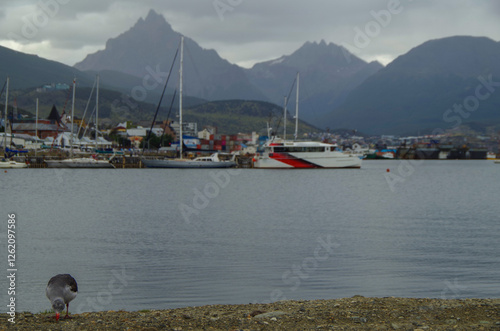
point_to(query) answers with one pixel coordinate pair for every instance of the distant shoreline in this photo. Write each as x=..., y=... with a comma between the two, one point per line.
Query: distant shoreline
x=359, y=313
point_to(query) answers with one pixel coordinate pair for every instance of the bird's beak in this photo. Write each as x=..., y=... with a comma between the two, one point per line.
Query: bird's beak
x=57, y=317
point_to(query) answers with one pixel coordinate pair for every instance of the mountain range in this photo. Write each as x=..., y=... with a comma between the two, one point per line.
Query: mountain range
x=436, y=86
x=328, y=72
x=431, y=87
x=148, y=50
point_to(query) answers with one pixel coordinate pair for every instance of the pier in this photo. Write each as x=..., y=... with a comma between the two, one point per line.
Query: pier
x=119, y=162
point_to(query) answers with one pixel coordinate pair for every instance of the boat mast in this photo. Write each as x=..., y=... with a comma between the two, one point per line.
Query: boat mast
x=297, y=109
x=96, y=111
x=284, y=120
x=5, y=121
x=72, y=116
x=36, y=128
x=180, y=96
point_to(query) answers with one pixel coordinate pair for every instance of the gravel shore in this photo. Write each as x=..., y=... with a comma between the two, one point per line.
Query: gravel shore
x=356, y=313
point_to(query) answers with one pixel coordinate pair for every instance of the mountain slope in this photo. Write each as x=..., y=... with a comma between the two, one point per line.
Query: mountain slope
x=148, y=49
x=234, y=116
x=230, y=116
x=26, y=70
x=418, y=91
x=327, y=74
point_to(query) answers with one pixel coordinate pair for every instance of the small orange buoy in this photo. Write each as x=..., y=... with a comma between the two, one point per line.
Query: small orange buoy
x=388, y=170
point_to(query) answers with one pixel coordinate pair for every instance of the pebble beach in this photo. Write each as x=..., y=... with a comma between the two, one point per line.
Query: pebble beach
x=355, y=313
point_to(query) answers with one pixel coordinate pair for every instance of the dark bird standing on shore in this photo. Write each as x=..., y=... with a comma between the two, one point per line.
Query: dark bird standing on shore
x=61, y=289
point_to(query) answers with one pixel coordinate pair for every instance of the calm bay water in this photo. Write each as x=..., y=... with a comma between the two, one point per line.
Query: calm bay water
x=164, y=238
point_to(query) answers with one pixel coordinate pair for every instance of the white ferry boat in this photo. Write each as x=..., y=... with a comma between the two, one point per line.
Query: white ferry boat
x=303, y=154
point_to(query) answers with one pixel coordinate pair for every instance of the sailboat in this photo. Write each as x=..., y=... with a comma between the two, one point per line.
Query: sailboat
x=8, y=163
x=212, y=161
x=81, y=162
x=285, y=154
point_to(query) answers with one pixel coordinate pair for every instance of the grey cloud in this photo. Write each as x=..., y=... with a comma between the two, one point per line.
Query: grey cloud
x=252, y=29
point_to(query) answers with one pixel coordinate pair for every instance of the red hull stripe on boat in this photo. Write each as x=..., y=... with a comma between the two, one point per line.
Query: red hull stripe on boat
x=292, y=160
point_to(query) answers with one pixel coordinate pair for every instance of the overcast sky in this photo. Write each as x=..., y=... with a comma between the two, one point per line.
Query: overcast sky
x=247, y=31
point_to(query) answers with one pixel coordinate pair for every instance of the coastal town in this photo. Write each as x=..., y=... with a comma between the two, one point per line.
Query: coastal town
x=32, y=141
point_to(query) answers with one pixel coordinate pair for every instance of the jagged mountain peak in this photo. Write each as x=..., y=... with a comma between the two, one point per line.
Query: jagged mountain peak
x=153, y=20
x=150, y=35
x=147, y=50
x=326, y=70
x=154, y=16
x=316, y=53
x=321, y=44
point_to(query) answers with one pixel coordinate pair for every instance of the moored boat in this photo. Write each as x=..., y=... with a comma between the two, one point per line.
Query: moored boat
x=285, y=154
x=81, y=162
x=491, y=156
x=11, y=164
x=212, y=161
x=303, y=154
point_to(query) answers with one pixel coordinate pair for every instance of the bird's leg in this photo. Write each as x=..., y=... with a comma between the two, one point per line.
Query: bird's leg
x=67, y=309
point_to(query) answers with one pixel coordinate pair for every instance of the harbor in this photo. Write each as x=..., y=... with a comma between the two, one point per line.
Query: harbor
x=117, y=162
x=225, y=236
x=135, y=159
x=242, y=161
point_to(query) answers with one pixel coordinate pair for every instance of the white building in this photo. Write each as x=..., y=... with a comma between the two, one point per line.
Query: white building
x=204, y=134
x=24, y=141
x=188, y=129
x=143, y=132
x=85, y=143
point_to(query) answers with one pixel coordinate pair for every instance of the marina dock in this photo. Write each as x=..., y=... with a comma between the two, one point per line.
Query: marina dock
x=119, y=162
